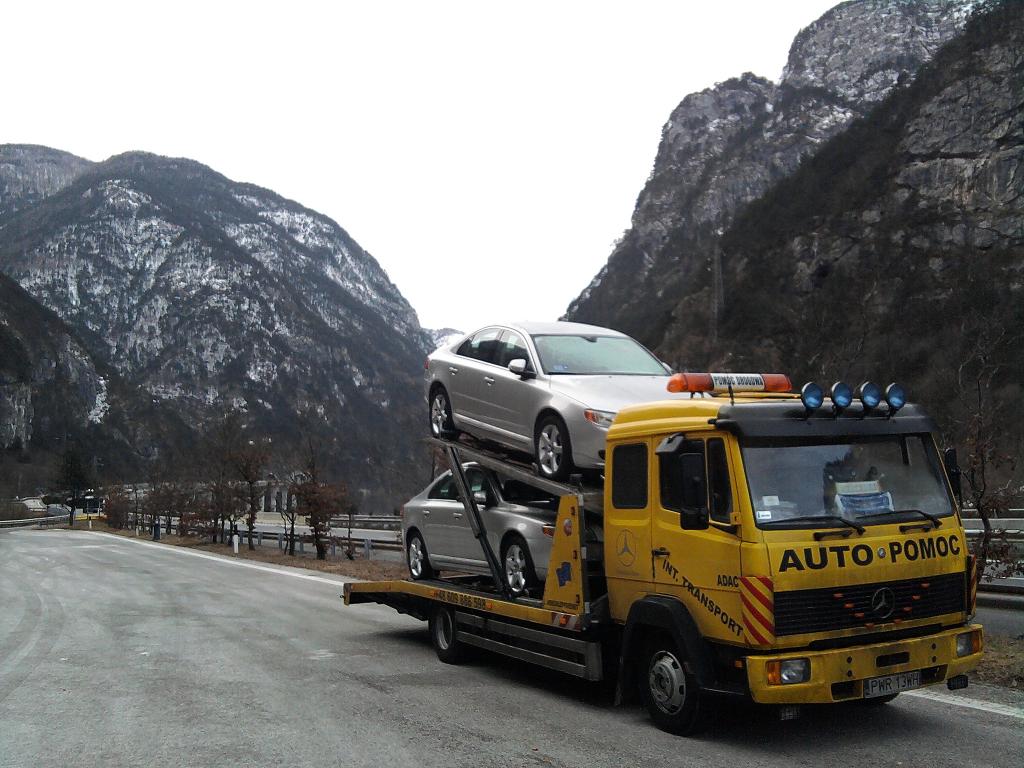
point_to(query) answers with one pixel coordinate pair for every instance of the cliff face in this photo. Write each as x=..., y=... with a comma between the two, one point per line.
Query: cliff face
x=207, y=295
x=28, y=173
x=727, y=146
x=890, y=247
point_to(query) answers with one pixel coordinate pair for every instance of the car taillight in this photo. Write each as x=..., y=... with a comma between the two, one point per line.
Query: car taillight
x=426, y=364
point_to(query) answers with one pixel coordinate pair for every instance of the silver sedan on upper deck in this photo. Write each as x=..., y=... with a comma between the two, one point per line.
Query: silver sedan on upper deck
x=549, y=389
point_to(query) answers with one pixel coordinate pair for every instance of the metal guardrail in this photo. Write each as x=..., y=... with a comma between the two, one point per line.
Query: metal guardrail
x=301, y=539
x=42, y=522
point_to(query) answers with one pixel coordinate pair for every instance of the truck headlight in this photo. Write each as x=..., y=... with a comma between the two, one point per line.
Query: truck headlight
x=968, y=643
x=601, y=418
x=788, y=671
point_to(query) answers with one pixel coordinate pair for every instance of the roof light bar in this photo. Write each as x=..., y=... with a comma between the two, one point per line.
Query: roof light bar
x=723, y=382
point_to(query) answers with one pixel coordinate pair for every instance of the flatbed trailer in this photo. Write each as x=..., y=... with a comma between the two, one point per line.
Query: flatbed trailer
x=561, y=630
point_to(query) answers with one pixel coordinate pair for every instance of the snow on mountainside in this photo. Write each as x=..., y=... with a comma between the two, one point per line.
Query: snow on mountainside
x=212, y=294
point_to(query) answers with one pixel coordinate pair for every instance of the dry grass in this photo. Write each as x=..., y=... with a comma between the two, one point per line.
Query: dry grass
x=358, y=568
x=1003, y=662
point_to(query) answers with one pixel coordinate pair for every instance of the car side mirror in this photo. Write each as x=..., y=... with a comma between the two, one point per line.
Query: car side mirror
x=952, y=465
x=480, y=497
x=519, y=368
x=693, y=515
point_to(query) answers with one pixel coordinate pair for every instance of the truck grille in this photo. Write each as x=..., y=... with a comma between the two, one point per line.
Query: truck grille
x=824, y=610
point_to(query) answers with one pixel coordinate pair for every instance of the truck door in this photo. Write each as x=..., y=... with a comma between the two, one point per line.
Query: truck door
x=627, y=525
x=695, y=542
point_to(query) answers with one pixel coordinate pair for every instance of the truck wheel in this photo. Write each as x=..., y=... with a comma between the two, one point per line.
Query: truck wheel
x=441, y=423
x=416, y=557
x=669, y=692
x=520, y=573
x=444, y=637
x=552, y=449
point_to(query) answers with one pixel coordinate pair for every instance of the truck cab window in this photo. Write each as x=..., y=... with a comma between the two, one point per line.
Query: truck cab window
x=719, y=489
x=629, y=476
x=682, y=477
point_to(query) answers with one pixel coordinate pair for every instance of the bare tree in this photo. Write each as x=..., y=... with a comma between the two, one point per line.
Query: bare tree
x=250, y=461
x=318, y=501
x=990, y=472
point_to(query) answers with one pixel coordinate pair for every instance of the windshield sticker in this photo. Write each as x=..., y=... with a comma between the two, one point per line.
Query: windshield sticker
x=864, y=504
x=770, y=501
x=764, y=514
x=559, y=368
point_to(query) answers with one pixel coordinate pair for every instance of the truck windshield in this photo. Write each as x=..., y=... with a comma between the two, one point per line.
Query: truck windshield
x=575, y=355
x=796, y=484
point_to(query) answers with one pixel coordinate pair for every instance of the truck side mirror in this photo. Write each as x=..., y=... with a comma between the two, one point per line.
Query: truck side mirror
x=953, y=471
x=693, y=516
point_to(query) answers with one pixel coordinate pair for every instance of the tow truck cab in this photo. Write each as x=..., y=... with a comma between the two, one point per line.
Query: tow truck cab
x=796, y=552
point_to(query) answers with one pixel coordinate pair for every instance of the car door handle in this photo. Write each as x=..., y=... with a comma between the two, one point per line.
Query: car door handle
x=660, y=552
x=456, y=515
x=488, y=380
x=452, y=369
x=426, y=513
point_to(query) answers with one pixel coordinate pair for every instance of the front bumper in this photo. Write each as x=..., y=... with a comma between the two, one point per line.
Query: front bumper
x=839, y=674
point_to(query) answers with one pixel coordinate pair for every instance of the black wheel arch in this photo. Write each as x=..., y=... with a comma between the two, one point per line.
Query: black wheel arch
x=656, y=614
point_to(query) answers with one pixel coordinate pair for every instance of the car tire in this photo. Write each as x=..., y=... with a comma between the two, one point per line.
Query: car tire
x=517, y=566
x=416, y=557
x=444, y=635
x=552, y=448
x=670, y=693
x=442, y=425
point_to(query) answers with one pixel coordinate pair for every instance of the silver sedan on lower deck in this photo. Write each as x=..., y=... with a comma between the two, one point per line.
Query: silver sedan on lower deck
x=519, y=520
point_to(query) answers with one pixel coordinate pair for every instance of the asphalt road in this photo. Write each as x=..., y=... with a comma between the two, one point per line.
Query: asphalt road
x=115, y=652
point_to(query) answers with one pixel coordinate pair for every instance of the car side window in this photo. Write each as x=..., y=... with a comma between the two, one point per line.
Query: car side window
x=482, y=346
x=629, y=476
x=512, y=348
x=444, y=489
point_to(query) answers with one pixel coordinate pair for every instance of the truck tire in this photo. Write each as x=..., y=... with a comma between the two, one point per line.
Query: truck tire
x=670, y=693
x=444, y=637
x=416, y=557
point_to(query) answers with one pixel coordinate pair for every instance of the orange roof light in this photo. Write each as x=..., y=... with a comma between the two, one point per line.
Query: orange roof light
x=721, y=382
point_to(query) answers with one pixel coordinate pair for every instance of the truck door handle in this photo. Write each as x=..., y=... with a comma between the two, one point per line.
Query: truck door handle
x=488, y=380
x=660, y=552
x=452, y=369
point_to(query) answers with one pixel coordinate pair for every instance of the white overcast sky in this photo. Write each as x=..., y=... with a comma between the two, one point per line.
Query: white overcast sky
x=488, y=154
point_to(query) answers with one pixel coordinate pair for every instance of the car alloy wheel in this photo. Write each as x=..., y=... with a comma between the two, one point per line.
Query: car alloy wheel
x=416, y=558
x=515, y=568
x=549, y=449
x=440, y=416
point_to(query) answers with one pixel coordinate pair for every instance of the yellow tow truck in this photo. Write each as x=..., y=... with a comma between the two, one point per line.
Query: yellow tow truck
x=787, y=548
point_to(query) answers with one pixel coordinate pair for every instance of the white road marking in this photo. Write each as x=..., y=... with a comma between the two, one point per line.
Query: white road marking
x=224, y=560
x=1006, y=710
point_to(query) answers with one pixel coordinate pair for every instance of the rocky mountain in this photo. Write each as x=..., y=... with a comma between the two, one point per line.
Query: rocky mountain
x=862, y=219
x=28, y=173
x=207, y=295
x=727, y=146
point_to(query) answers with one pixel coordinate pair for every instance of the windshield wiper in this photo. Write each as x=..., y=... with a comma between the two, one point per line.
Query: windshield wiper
x=934, y=520
x=839, y=518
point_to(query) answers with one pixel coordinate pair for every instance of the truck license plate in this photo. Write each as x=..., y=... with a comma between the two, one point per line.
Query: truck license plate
x=883, y=686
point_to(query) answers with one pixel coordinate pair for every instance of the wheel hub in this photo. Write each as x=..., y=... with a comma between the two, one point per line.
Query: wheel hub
x=549, y=449
x=415, y=558
x=667, y=682
x=438, y=415
x=515, y=568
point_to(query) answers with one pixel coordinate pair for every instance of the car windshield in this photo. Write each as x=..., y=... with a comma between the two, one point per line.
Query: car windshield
x=574, y=355
x=865, y=480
